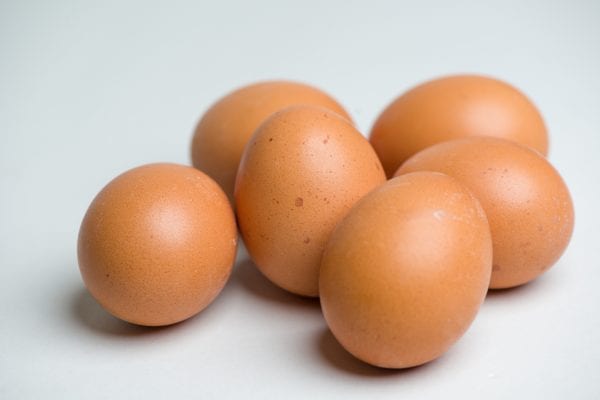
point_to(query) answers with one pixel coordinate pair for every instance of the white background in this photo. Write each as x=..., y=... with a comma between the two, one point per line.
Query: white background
x=90, y=89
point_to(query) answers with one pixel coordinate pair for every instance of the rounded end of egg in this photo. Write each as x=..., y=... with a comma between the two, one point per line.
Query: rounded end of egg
x=527, y=202
x=404, y=274
x=157, y=244
x=301, y=172
x=225, y=128
x=452, y=107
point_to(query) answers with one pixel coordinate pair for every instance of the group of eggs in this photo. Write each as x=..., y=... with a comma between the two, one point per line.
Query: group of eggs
x=400, y=235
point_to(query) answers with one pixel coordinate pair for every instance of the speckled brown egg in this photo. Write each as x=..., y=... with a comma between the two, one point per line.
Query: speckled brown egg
x=453, y=107
x=300, y=173
x=527, y=202
x=157, y=244
x=405, y=273
x=224, y=129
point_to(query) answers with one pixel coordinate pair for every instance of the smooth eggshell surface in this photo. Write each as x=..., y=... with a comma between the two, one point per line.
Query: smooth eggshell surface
x=299, y=175
x=453, y=107
x=527, y=202
x=157, y=244
x=405, y=273
x=224, y=130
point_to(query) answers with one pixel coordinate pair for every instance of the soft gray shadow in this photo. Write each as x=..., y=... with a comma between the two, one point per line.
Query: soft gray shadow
x=540, y=284
x=247, y=275
x=509, y=292
x=342, y=360
x=90, y=314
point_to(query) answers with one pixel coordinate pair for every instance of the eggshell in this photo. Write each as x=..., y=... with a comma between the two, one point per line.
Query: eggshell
x=224, y=130
x=527, y=202
x=300, y=173
x=453, y=107
x=157, y=244
x=405, y=273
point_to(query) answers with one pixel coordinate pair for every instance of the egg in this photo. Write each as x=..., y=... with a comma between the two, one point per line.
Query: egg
x=223, y=131
x=300, y=173
x=527, y=202
x=157, y=244
x=453, y=107
x=404, y=274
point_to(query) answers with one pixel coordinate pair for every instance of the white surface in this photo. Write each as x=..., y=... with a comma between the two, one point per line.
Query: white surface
x=89, y=90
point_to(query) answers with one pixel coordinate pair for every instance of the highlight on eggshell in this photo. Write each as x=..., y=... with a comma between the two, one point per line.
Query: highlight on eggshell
x=299, y=175
x=225, y=128
x=452, y=107
x=157, y=244
x=527, y=202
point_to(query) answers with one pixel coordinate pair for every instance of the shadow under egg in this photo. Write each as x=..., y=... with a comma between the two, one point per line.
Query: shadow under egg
x=246, y=275
x=90, y=314
x=333, y=352
x=539, y=284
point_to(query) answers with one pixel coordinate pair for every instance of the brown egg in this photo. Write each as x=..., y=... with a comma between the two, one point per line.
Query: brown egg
x=405, y=273
x=300, y=173
x=157, y=244
x=526, y=201
x=226, y=127
x=453, y=107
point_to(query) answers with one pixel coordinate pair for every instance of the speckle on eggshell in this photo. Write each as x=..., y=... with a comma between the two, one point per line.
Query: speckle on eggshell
x=157, y=244
x=295, y=168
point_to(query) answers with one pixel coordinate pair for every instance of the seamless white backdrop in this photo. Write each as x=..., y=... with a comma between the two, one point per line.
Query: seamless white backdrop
x=90, y=89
